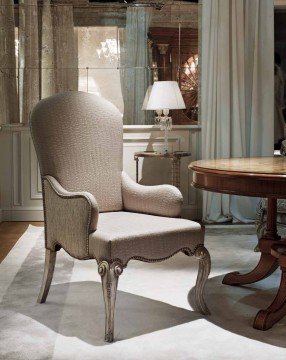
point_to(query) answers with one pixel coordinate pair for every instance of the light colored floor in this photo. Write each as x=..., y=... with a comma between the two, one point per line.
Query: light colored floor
x=153, y=317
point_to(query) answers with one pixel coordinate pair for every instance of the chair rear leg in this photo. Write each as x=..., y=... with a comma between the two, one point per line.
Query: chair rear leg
x=203, y=256
x=109, y=277
x=50, y=260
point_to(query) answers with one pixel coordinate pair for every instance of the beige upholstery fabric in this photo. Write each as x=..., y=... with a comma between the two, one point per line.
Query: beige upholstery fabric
x=163, y=200
x=78, y=140
x=124, y=235
x=70, y=217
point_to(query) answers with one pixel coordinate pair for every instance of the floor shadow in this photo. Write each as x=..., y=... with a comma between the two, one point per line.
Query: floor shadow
x=233, y=308
x=82, y=313
x=76, y=309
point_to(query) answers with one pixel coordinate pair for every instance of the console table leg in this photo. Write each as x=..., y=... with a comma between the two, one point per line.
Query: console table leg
x=176, y=172
x=137, y=170
x=267, y=263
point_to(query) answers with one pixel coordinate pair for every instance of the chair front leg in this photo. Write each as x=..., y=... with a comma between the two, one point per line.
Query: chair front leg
x=109, y=277
x=50, y=260
x=203, y=256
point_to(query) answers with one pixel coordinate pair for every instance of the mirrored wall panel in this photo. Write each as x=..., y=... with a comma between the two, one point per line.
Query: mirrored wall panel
x=115, y=50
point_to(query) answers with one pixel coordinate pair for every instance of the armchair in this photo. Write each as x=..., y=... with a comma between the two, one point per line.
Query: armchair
x=93, y=210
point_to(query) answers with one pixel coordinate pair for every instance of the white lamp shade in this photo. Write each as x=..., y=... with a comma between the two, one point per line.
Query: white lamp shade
x=165, y=95
x=146, y=98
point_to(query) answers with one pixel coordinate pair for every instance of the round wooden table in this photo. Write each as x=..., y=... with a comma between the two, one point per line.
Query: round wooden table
x=259, y=177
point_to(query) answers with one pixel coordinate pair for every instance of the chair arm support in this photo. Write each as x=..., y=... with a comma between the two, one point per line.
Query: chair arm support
x=162, y=200
x=70, y=217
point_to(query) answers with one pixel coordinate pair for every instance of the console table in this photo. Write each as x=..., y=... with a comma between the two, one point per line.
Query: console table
x=175, y=158
x=259, y=177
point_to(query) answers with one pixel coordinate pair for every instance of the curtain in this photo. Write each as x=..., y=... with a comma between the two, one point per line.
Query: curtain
x=66, y=62
x=135, y=74
x=58, y=69
x=29, y=86
x=237, y=92
x=59, y=56
x=8, y=80
x=47, y=51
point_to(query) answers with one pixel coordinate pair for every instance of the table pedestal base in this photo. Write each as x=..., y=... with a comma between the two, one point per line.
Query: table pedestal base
x=273, y=254
x=266, y=266
x=265, y=319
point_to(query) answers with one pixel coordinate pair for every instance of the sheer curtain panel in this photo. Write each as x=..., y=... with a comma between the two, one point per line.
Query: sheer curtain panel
x=29, y=86
x=135, y=74
x=8, y=78
x=237, y=94
x=59, y=55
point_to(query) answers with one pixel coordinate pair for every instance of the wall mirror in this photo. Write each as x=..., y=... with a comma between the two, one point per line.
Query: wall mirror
x=137, y=45
x=113, y=49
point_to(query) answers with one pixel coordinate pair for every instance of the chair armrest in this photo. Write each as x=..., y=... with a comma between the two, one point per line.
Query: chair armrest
x=162, y=200
x=69, y=217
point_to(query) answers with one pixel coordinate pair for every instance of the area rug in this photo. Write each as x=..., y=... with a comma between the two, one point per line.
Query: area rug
x=153, y=318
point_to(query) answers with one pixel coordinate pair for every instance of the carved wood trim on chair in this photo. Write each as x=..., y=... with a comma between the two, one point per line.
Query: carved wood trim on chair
x=109, y=277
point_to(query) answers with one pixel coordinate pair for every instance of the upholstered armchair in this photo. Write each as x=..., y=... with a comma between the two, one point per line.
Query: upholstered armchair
x=93, y=210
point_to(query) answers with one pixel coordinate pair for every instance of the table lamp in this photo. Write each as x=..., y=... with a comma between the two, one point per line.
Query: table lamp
x=165, y=96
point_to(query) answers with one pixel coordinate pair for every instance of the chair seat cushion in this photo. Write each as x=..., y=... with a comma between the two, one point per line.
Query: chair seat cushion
x=125, y=235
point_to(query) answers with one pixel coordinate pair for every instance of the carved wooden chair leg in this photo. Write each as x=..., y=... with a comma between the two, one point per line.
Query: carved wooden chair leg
x=109, y=277
x=203, y=256
x=50, y=260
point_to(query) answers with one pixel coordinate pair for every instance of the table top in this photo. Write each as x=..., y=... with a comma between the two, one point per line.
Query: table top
x=175, y=154
x=257, y=166
x=259, y=177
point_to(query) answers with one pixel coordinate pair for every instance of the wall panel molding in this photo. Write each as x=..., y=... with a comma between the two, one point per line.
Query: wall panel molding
x=35, y=176
x=21, y=190
x=16, y=168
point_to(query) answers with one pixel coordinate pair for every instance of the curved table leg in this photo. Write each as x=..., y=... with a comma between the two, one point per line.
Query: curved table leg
x=265, y=319
x=266, y=266
x=267, y=263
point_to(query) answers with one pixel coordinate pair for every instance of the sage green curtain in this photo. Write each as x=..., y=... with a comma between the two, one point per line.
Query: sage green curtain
x=29, y=76
x=8, y=76
x=59, y=55
x=135, y=73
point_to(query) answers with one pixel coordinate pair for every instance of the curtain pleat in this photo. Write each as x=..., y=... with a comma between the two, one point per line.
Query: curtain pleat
x=47, y=51
x=8, y=78
x=66, y=63
x=29, y=86
x=59, y=55
x=135, y=74
x=237, y=95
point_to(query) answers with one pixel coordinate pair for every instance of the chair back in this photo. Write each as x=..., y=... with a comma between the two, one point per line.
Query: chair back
x=78, y=139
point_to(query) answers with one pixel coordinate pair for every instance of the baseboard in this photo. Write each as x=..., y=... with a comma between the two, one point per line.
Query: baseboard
x=22, y=215
x=230, y=225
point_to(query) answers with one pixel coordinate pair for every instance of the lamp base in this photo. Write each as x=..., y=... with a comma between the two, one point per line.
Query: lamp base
x=164, y=122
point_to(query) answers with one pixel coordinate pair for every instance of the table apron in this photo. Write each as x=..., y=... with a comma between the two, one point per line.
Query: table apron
x=239, y=185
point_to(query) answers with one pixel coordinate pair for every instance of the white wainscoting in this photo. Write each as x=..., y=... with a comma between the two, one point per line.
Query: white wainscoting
x=20, y=181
